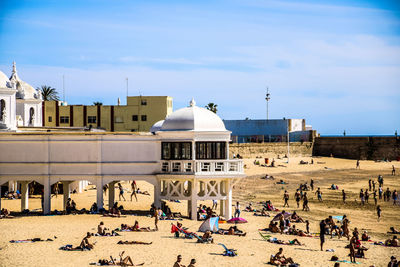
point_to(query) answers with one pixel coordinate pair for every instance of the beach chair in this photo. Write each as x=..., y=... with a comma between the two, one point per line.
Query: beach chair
x=228, y=252
x=265, y=237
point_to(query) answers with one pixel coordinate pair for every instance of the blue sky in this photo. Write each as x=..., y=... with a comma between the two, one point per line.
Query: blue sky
x=334, y=63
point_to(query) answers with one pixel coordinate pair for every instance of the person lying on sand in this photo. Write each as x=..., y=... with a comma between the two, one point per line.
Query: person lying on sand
x=290, y=242
x=127, y=261
x=279, y=259
x=233, y=230
x=393, y=231
x=133, y=243
x=263, y=213
x=207, y=237
x=293, y=231
x=394, y=242
x=142, y=192
x=136, y=228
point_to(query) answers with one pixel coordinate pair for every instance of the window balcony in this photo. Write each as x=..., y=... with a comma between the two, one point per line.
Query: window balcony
x=202, y=167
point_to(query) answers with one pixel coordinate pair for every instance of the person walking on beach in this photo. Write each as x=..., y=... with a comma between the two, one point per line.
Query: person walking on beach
x=121, y=192
x=134, y=188
x=322, y=231
x=393, y=171
x=297, y=196
x=319, y=194
x=312, y=184
x=379, y=212
x=373, y=185
x=380, y=180
x=394, y=197
x=344, y=196
x=374, y=195
x=237, y=209
x=286, y=198
x=366, y=195
x=380, y=191
x=358, y=164
x=305, y=202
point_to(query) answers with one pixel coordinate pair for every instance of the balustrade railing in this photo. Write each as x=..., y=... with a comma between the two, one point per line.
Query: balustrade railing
x=202, y=166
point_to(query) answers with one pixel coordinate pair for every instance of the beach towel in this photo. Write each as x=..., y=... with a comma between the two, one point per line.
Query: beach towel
x=70, y=248
x=339, y=218
x=346, y=261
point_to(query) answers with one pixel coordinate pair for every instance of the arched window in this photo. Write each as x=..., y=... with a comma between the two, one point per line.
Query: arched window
x=2, y=110
x=31, y=115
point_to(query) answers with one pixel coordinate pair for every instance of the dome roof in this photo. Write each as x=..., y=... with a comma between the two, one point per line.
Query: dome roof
x=193, y=118
x=4, y=81
x=156, y=126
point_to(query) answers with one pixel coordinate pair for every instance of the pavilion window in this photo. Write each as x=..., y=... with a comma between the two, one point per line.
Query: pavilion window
x=91, y=119
x=176, y=150
x=210, y=150
x=64, y=119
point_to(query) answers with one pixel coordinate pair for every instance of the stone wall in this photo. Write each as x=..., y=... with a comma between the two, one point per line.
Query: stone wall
x=373, y=148
x=270, y=150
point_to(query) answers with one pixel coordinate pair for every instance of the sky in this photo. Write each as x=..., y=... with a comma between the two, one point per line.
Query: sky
x=334, y=63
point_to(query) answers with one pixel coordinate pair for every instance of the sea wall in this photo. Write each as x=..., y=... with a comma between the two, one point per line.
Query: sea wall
x=270, y=150
x=372, y=148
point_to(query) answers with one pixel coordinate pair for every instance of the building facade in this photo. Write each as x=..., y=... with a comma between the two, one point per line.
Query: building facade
x=186, y=158
x=140, y=113
x=258, y=131
x=20, y=103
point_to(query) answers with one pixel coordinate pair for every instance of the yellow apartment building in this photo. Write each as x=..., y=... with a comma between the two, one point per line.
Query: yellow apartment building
x=140, y=113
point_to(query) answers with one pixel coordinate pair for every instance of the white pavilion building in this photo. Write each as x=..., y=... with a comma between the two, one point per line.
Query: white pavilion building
x=186, y=157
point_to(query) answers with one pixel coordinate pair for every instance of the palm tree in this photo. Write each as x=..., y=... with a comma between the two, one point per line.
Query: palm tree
x=96, y=103
x=212, y=107
x=48, y=93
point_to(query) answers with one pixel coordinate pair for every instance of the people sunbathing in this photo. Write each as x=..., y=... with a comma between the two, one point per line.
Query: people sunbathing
x=114, y=211
x=365, y=236
x=136, y=228
x=138, y=191
x=101, y=230
x=133, y=243
x=273, y=227
x=123, y=261
x=279, y=259
x=296, y=218
x=207, y=237
x=394, y=242
x=263, y=213
x=393, y=231
x=233, y=230
x=85, y=244
x=290, y=242
x=5, y=214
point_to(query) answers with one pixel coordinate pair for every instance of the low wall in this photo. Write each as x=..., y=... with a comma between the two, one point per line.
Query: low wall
x=270, y=150
x=372, y=148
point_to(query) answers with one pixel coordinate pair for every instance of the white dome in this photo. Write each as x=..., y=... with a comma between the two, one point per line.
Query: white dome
x=4, y=81
x=193, y=118
x=156, y=126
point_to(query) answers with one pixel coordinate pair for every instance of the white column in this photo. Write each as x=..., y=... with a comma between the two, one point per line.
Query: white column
x=24, y=195
x=221, y=207
x=46, y=195
x=227, y=149
x=157, y=194
x=228, y=201
x=193, y=202
x=99, y=187
x=111, y=194
x=65, y=193
x=11, y=186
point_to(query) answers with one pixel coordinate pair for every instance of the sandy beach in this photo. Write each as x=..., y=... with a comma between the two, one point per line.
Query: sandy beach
x=252, y=250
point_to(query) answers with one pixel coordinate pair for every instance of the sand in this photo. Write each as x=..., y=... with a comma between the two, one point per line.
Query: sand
x=252, y=250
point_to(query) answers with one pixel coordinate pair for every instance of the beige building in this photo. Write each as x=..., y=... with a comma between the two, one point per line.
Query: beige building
x=140, y=113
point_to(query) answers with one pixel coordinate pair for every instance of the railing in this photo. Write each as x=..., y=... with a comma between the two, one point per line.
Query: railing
x=202, y=166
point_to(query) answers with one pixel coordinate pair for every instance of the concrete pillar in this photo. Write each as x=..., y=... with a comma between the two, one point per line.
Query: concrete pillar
x=228, y=201
x=192, y=204
x=46, y=196
x=99, y=187
x=66, y=193
x=111, y=194
x=24, y=195
x=12, y=186
x=0, y=195
x=157, y=194
x=221, y=207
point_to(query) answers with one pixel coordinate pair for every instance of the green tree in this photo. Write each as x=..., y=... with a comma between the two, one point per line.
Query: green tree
x=48, y=93
x=212, y=107
x=97, y=103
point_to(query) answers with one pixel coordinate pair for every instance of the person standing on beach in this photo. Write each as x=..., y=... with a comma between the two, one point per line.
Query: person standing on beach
x=375, y=200
x=380, y=191
x=358, y=164
x=373, y=185
x=237, y=209
x=312, y=184
x=366, y=195
x=121, y=192
x=134, y=188
x=344, y=196
x=362, y=197
x=215, y=204
x=305, y=202
x=370, y=184
x=322, y=231
x=393, y=171
x=379, y=212
x=178, y=262
x=319, y=194
x=286, y=198
x=352, y=247
x=307, y=227
x=394, y=197
x=297, y=196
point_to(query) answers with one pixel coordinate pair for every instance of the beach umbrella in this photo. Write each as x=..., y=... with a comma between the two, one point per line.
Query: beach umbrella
x=285, y=216
x=237, y=220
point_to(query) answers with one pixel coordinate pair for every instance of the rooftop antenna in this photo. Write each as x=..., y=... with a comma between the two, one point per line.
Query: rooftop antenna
x=63, y=88
x=127, y=87
x=267, y=98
